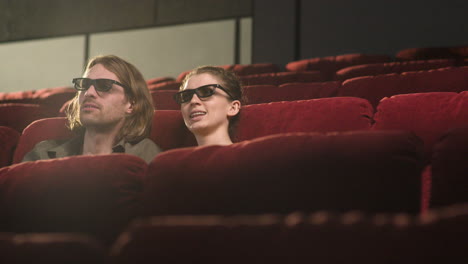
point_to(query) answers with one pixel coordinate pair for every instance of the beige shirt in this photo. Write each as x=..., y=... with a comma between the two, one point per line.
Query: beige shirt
x=50, y=149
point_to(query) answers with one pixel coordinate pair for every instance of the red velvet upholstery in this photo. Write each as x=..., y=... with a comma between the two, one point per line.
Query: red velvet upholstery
x=50, y=98
x=50, y=128
x=243, y=69
x=257, y=94
x=315, y=115
x=50, y=248
x=18, y=116
x=329, y=65
x=257, y=68
x=159, y=80
x=368, y=170
x=279, y=78
x=54, y=98
x=432, y=53
x=169, y=85
x=428, y=115
x=374, y=88
x=321, y=237
x=169, y=131
x=392, y=67
x=17, y=97
x=90, y=194
x=450, y=168
x=8, y=140
x=163, y=100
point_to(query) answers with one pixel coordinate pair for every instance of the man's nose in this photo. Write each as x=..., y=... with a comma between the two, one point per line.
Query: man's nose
x=91, y=91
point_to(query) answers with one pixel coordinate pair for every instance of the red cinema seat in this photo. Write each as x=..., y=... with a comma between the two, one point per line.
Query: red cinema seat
x=8, y=141
x=159, y=80
x=40, y=130
x=54, y=98
x=450, y=168
x=169, y=131
x=164, y=100
x=329, y=65
x=319, y=237
x=374, y=88
x=50, y=98
x=428, y=115
x=432, y=53
x=256, y=68
x=392, y=67
x=315, y=115
x=95, y=194
x=18, y=116
x=169, y=85
x=279, y=78
x=362, y=170
x=257, y=94
x=51, y=248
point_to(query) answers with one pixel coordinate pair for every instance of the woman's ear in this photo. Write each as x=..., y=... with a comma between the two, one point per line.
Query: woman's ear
x=234, y=108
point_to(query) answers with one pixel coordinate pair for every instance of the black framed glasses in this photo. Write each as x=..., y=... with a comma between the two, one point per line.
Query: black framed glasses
x=101, y=85
x=202, y=92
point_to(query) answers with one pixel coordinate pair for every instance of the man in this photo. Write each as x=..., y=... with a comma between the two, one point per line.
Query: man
x=111, y=113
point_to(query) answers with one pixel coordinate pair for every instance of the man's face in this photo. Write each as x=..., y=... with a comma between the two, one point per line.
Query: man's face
x=103, y=110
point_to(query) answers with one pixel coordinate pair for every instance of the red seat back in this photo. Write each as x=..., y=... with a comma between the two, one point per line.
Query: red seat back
x=279, y=78
x=257, y=94
x=315, y=115
x=428, y=115
x=287, y=172
x=95, y=194
x=374, y=88
x=164, y=100
x=392, y=67
x=18, y=116
x=8, y=141
x=450, y=167
x=329, y=65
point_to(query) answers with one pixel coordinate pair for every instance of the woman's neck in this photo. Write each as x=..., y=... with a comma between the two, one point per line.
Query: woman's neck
x=219, y=138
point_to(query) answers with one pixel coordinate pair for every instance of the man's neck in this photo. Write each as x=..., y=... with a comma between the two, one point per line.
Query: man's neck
x=97, y=142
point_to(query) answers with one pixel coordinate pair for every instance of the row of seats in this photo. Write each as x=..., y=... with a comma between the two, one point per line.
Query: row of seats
x=330, y=65
x=281, y=86
x=372, y=88
x=29, y=106
x=320, y=237
x=320, y=154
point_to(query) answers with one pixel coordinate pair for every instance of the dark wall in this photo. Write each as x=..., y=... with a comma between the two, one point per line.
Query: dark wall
x=32, y=19
x=333, y=27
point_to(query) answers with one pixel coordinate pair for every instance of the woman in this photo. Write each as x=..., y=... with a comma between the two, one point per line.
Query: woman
x=210, y=102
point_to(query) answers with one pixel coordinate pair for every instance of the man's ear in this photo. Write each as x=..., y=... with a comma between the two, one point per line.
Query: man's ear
x=234, y=108
x=130, y=107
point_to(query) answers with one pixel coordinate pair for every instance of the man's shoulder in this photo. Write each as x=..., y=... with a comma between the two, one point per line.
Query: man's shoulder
x=41, y=150
x=49, y=144
x=145, y=149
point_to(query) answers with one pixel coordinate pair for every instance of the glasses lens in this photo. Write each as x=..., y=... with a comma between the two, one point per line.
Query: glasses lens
x=205, y=91
x=103, y=85
x=82, y=84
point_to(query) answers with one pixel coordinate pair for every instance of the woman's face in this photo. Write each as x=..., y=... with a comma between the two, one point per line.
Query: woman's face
x=204, y=116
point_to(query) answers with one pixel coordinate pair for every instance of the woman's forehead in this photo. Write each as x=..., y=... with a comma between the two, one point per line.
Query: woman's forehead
x=198, y=80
